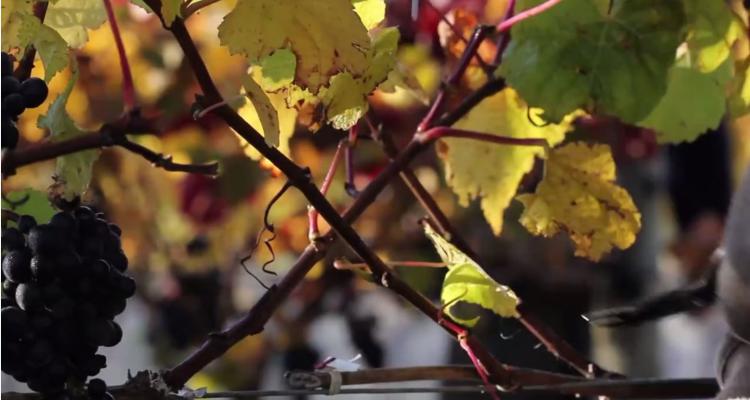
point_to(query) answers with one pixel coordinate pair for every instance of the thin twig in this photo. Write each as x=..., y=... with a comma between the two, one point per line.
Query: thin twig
x=128, y=88
x=312, y=213
x=504, y=37
x=256, y=318
x=445, y=132
x=480, y=33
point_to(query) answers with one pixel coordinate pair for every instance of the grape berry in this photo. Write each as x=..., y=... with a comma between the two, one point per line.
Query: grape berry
x=62, y=285
x=17, y=97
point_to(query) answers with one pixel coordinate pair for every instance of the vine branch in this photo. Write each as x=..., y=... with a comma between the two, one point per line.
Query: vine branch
x=128, y=88
x=112, y=134
x=256, y=318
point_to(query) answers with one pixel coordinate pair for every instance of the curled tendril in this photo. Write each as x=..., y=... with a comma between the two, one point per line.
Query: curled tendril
x=267, y=226
x=16, y=203
x=531, y=119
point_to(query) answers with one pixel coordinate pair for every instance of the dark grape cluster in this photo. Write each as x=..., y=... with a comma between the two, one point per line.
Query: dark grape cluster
x=62, y=285
x=17, y=97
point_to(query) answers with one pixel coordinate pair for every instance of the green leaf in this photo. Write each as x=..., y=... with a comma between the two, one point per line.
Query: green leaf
x=37, y=205
x=170, y=9
x=277, y=70
x=326, y=36
x=712, y=29
x=73, y=18
x=371, y=12
x=267, y=114
x=694, y=103
x=23, y=29
x=73, y=171
x=580, y=54
x=467, y=282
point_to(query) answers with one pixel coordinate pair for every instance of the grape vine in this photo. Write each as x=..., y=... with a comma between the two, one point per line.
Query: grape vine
x=323, y=66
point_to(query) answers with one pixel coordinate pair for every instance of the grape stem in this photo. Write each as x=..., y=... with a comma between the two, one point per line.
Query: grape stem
x=444, y=132
x=504, y=37
x=112, y=134
x=128, y=88
x=312, y=213
x=506, y=24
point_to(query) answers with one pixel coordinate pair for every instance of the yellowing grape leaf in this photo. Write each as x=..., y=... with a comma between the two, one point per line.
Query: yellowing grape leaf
x=371, y=12
x=24, y=29
x=73, y=172
x=694, y=103
x=287, y=118
x=170, y=9
x=712, y=29
x=467, y=282
x=489, y=171
x=269, y=118
x=72, y=19
x=326, y=36
x=345, y=101
x=739, y=96
x=586, y=54
x=578, y=195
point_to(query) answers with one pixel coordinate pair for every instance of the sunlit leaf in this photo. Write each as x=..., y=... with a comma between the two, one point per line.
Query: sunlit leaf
x=24, y=29
x=739, y=97
x=170, y=9
x=712, y=29
x=269, y=118
x=488, y=171
x=582, y=54
x=73, y=171
x=73, y=18
x=467, y=282
x=277, y=70
x=371, y=12
x=578, y=196
x=694, y=103
x=287, y=118
x=326, y=36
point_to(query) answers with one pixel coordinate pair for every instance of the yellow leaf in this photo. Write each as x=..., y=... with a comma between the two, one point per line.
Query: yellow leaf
x=269, y=118
x=489, y=171
x=326, y=36
x=371, y=12
x=287, y=118
x=578, y=195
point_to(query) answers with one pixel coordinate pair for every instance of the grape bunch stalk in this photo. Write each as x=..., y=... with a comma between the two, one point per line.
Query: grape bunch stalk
x=62, y=285
x=17, y=97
